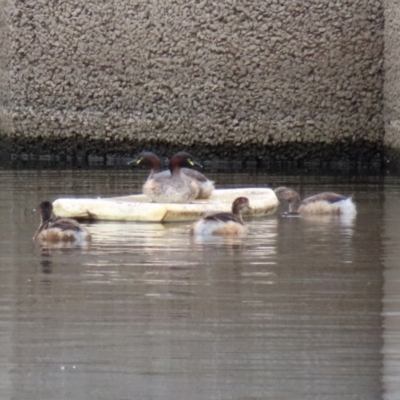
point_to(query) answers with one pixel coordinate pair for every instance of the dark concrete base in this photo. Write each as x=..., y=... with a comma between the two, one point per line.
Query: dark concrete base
x=341, y=155
x=391, y=160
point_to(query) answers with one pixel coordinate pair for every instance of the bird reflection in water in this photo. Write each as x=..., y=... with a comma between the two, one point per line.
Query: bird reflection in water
x=47, y=266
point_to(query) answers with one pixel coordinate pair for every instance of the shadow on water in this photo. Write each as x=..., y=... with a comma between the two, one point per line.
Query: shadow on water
x=292, y=311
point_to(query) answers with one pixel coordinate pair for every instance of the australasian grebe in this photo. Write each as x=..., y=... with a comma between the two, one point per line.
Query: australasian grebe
x=151, y=160
x=176, y=187
x=322, y=203
x=206, y=187
x=58, y=229
x=223, y=223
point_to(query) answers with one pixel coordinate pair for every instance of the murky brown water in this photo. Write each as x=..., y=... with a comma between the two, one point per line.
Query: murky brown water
x=303, y=308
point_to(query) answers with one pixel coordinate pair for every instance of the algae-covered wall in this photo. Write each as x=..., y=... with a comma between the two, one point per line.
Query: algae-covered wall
x=287, y=79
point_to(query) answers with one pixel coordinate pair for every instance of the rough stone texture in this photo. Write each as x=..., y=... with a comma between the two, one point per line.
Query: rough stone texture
x=285, y=79
x=392, y=81
x=5, y=120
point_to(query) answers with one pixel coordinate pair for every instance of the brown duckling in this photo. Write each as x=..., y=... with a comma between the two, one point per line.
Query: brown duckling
x=322, y=203
x=58, y=229
x=223, y=223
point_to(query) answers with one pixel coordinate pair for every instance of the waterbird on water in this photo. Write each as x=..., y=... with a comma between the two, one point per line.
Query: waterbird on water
x=224, y=223
x=59, y=229
x=322, y=203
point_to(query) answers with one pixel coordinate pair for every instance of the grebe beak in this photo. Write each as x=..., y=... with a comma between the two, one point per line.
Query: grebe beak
x=194, y=163
x=136, y=161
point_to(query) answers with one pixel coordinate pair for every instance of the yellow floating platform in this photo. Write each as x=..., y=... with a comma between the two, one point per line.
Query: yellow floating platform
x=263, y=201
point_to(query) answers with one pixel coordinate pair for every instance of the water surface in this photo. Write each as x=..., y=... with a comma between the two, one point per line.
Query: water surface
x=303, y=308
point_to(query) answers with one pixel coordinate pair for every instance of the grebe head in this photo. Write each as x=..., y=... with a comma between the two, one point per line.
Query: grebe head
x=240, y=205
x=147, y=159
x=285, y=193
x=290, y=196
x=183, y=159
x=46, y=210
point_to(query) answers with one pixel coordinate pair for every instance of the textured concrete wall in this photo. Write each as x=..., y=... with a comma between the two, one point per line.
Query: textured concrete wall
x=5, y=37
x=392, y=80
x=291, y=79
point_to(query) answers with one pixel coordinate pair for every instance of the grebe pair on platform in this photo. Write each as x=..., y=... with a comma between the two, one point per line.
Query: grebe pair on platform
x=176, y=184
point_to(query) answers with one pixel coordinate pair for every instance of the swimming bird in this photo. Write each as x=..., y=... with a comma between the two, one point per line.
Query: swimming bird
x=322, y=203
x=147, y=158
x=223, y=223
x=175, y=187
x=58, y=229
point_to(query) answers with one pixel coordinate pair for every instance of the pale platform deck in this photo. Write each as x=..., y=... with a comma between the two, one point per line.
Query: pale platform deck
x=263, y=201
